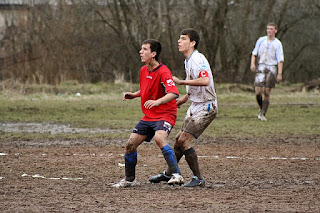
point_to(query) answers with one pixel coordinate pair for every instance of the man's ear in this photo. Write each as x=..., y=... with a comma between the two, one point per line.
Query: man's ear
x=193, y=43
x=154, y=53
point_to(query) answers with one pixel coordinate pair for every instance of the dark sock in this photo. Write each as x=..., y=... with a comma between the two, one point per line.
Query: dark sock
x=171, y=159
x=130, y=165
x=178, y=152
x=259, y=100
x=192, y=160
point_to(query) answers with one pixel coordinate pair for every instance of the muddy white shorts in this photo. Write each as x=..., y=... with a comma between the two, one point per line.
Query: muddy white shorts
x=265, y=76
x=198, y=117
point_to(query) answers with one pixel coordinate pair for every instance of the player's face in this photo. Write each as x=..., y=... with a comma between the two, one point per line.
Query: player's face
x=145, y=53
x=271, y=31
x=184, y=43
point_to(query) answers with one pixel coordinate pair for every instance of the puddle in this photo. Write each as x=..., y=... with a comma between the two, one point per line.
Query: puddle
x=50, y=178
x=50, y=128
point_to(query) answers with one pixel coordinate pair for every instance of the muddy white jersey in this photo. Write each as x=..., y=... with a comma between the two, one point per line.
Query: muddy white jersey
x=194, y=65
x=270, y=53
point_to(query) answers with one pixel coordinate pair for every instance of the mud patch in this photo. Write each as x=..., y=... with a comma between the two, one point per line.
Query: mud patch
x=53, y=129
x=245, y=175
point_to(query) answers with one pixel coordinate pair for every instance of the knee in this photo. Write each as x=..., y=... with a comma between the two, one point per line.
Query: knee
x=180, y=140
x=130, y=146
x=157, y=138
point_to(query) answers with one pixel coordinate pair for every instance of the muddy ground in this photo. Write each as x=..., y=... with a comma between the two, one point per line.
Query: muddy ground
x=242, y=175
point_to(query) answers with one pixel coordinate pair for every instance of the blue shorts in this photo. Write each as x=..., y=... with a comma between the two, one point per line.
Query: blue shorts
x=149, y=128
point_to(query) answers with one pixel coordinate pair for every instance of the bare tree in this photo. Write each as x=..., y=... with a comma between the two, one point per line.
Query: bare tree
x=93, y=40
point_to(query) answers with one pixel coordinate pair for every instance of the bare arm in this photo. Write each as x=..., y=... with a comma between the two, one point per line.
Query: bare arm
x=280, y=67
x=253, y=63
x=130, y=95
x=165, y=99
x=202, y=81
x=182, y=100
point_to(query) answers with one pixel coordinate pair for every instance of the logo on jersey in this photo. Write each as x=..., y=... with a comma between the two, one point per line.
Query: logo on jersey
x=170, y=82
x=167, y=126
x=203, y=73
x=148, y=76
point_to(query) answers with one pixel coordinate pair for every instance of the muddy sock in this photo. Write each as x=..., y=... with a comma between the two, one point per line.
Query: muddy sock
x=178, y=152
x=130, y=165
x=171, y=159
x=265, y=105
x=259, y=100
x=192, y=160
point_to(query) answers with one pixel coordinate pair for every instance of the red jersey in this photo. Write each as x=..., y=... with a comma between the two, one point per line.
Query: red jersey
x=154, y=85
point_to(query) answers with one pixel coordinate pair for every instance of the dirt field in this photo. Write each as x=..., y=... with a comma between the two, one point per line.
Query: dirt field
x=245, y=175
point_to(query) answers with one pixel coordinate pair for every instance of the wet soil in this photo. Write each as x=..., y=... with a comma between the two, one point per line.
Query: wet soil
x=242, y=175
x=52, y=128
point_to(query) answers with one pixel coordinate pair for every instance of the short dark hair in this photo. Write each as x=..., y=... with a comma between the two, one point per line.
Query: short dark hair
x=193, y=35
x=155, y=46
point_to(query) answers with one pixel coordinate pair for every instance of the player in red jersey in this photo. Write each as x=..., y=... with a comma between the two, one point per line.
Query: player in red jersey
x=158, y=93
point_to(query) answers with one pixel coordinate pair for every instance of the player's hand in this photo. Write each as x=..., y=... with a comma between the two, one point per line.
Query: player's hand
x=176, y=80
x=279, y=78
x=128, y=95
x=179, y=102
x=253, y=68
x=151, y=103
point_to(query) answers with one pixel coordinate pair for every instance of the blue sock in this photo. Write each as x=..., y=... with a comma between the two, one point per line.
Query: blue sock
x=130, y=165
x=171, y=159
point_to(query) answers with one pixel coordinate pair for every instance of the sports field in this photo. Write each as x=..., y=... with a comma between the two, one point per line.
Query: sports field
x=60, y=152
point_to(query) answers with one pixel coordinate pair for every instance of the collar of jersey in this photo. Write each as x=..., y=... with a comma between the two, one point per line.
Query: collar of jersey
x=191, y=55
x=155, y=69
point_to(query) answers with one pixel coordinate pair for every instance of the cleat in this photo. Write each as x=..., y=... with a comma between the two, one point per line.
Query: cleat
x=176, y=179
x=259, y=114
x=263, y=118
x=194, y=182
x=124, y=184
x=160, y=177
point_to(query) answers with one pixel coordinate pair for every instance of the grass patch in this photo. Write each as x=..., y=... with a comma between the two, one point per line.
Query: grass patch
x=100, y=106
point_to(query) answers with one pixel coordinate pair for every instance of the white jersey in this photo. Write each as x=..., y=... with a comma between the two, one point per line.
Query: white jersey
x=196, y=63
x=270, y=53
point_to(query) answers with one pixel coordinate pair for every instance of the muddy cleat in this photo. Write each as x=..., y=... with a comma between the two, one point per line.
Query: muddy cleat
x=124, y=183
x=176, y=179
x=259, y=115
x=263, y=118
x=160, y=177
x=194, y=182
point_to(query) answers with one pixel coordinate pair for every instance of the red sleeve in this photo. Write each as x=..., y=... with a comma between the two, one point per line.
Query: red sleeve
x=168, y=83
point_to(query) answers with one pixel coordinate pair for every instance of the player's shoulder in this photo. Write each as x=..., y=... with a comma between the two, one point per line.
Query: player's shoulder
x=262, y=38
x=199, y=61
x=164, y=69
x=198, y=57
x=278, y=41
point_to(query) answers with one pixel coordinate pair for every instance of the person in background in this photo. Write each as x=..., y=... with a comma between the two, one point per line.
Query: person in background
x=270, y=55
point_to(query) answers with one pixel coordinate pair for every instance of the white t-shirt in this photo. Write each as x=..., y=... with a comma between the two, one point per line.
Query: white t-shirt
x=196, y=63
x=270, y=53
